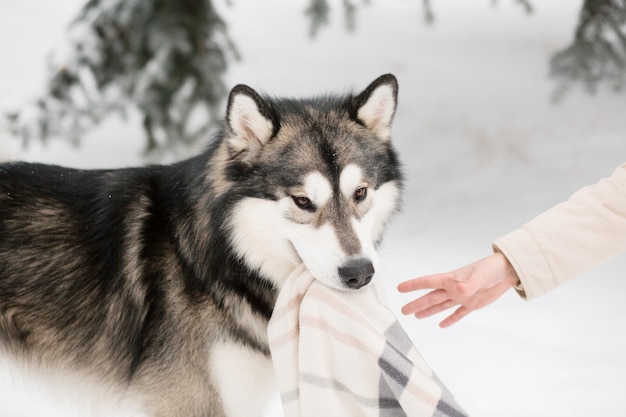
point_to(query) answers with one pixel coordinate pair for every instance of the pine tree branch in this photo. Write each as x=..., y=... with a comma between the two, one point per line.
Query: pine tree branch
x=597, y=54
x=135, y=54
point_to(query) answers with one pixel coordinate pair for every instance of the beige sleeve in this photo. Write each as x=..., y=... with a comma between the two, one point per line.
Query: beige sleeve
x=570, y=238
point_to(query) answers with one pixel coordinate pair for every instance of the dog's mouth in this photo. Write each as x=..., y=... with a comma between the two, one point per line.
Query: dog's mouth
x=298, y=259
x=352, y=275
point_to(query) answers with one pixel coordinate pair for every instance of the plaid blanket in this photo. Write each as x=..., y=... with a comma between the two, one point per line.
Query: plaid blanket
x=344, y=354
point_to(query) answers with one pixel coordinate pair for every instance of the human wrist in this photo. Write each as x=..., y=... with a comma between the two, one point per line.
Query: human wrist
x=509, y=274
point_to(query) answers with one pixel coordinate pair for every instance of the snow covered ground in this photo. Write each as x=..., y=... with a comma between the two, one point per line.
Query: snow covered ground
x=484, y=150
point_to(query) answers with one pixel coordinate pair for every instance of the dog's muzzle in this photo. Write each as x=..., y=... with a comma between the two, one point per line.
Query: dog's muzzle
x=356, y=273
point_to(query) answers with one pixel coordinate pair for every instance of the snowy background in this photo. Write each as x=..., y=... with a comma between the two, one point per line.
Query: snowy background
x=484, y=151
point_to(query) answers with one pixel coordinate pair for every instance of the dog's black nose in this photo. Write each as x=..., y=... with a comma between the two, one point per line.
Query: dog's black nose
x=357, y=273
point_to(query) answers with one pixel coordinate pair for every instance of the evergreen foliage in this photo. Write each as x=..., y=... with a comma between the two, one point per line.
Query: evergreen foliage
x=167, y=59
x=597, y=54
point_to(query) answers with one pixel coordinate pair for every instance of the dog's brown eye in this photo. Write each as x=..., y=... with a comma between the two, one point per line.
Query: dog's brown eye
x=360, y=194
x=303, y=202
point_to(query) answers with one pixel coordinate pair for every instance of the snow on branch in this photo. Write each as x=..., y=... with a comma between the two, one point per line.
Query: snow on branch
x=319, y=11
x=164, y=58
x=598, y=53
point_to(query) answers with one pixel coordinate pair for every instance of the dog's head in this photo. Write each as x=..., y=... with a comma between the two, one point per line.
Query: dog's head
x=318, y=180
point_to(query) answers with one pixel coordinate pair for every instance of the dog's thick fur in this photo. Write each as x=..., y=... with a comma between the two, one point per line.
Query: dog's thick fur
x=155, y=284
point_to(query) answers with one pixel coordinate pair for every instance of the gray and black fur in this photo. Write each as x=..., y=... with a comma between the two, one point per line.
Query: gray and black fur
x=130, y=275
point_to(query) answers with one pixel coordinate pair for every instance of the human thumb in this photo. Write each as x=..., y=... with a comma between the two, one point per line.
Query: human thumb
x=471, y=285
x=467, y=288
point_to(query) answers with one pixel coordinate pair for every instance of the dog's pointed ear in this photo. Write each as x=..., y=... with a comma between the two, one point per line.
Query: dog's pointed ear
x=251, y=121
x=376, y=105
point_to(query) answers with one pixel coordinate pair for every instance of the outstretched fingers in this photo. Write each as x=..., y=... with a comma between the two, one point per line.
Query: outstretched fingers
x=470, y=287
x=436, y=309
x=427, y=282
x=455, y=317
x=425, y=302
x=444, y=294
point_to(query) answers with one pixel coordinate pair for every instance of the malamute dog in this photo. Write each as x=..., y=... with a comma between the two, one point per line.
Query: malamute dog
x=151, y=288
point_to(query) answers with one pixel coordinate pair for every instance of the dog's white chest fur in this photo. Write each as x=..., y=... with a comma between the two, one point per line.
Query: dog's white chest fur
x=247, y=396
x=245, y=380
x=27, y=391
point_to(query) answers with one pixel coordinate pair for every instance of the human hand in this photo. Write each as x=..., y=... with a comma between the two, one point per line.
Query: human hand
x=471, y=287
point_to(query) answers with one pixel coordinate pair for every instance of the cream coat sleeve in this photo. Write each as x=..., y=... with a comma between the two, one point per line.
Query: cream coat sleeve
x=570, y=238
